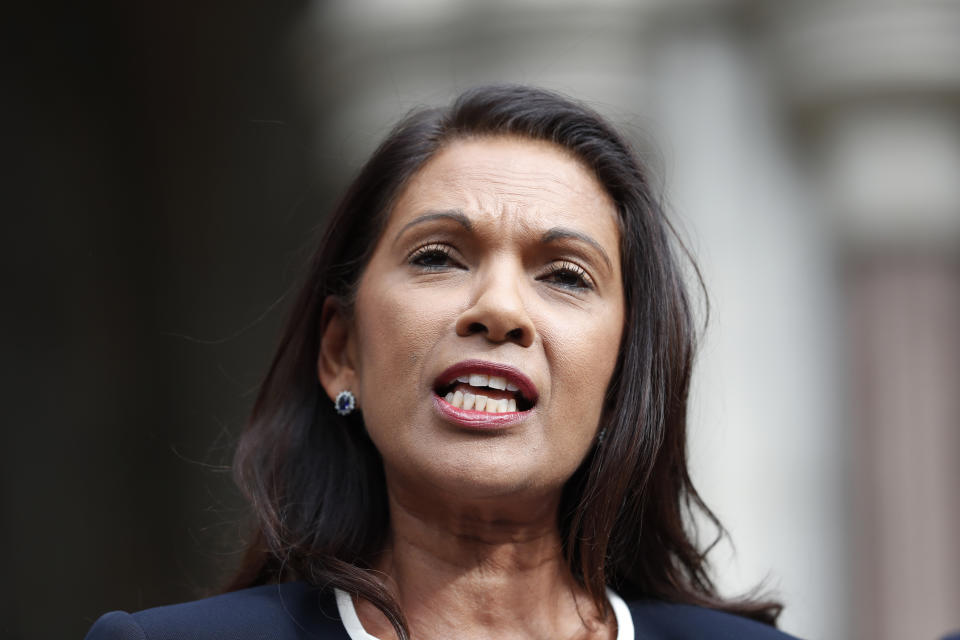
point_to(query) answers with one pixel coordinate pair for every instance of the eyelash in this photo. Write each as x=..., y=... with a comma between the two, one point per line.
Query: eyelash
x=566, y=268
x=431, y=250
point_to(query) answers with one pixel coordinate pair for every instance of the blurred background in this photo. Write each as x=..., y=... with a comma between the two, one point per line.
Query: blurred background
x=168, y=164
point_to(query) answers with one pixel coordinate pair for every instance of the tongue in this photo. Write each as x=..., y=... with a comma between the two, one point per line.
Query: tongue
x=496, y=394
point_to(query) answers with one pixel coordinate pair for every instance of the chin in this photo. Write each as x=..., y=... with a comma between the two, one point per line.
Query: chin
x=496, y=477
x=442, y=465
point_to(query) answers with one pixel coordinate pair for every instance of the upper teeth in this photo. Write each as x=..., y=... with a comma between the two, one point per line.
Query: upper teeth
x=483, y=380
x=478, y=402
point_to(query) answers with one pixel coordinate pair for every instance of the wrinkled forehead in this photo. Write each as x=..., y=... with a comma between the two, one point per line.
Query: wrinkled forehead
x=510, y=184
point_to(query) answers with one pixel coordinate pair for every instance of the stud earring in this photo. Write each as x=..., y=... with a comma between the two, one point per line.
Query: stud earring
x=345, y=403
x=600, y=435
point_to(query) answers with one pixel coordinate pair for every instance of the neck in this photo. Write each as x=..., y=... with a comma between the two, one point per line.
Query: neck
x=473, y=570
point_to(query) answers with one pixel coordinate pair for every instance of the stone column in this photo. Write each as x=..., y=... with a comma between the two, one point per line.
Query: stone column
x=875, y=89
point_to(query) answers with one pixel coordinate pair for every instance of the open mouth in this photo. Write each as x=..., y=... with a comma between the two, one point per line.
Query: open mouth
x=486, y=388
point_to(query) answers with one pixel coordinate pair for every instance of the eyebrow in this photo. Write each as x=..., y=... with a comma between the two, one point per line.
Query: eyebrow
x=453, y=214
x=551, y=235
x=563, y=233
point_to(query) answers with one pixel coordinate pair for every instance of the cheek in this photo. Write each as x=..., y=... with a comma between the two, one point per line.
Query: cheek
x=396, y=328
x=584, y=354
x=590, y=345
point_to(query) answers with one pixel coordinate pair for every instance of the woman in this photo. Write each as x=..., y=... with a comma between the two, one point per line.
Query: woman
x=474, y=425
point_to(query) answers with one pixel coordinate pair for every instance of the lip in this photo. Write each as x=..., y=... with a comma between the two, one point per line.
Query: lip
x=512, y=374
x=481, y=419
x=478, y=419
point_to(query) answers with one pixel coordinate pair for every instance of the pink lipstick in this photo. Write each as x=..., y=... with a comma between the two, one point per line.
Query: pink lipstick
x=479, y=394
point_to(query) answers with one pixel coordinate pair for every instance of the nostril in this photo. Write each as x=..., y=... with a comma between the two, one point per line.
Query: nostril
x=476, y=327
x=515, y=334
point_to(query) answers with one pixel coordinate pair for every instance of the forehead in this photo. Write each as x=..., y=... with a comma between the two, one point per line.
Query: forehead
x=502, y=181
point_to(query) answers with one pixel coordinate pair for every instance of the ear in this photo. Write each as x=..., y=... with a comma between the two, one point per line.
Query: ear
x=336, y=363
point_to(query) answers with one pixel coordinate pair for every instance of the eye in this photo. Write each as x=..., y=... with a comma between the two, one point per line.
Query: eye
x=568, y=275
x=432, y=256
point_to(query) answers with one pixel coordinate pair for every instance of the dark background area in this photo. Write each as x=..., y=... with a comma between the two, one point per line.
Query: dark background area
x=161, y=191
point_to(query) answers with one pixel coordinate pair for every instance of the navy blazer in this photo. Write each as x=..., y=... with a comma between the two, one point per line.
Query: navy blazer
x=297, y=610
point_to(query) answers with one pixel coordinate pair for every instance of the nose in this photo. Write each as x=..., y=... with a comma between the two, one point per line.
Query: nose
x=497, y=310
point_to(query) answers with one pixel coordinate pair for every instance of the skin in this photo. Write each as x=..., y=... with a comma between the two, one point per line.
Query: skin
x=505, y=250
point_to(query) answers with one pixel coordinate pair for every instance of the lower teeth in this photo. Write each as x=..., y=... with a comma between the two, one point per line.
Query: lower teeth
x=473, y=402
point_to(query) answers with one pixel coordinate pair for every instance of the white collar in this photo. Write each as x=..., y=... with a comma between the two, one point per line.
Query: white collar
x=348, y=614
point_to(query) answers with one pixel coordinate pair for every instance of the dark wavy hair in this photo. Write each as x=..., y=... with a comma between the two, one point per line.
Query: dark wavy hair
x=315, y=482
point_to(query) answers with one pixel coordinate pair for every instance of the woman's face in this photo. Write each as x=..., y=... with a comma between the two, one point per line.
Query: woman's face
x=497, y=283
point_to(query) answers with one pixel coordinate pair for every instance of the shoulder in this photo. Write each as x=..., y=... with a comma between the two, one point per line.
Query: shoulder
x=654, y=619
x=286, y=611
